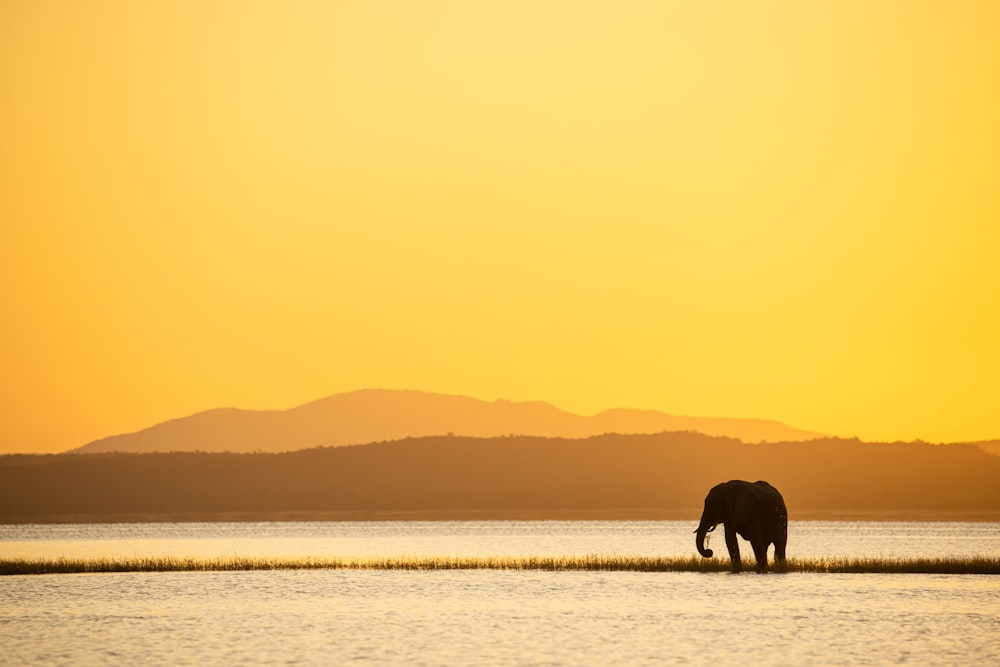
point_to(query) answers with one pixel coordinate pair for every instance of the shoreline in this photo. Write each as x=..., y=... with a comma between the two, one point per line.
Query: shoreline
x=589, y=563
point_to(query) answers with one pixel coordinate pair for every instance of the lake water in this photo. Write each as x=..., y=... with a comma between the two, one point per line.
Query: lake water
x=494, y=617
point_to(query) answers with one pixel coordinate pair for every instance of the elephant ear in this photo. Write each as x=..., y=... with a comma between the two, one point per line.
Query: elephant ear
x=743, y=503
x=747, y=502
x=726, y=501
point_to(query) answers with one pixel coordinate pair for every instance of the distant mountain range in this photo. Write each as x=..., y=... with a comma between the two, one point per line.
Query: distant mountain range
x=375, y=415
x=659, y=476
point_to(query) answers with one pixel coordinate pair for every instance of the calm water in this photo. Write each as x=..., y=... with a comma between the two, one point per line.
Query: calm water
x=494, y=617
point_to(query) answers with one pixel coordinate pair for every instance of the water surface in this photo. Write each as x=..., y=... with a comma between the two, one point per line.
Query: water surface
x=494, y=617
x=481, y=538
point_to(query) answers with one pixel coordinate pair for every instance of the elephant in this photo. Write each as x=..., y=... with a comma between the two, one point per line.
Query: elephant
x=755, y=511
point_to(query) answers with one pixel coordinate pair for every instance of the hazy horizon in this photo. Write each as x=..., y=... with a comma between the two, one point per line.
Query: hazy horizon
x=375, y=415
x=783, y=212
x=794, y=431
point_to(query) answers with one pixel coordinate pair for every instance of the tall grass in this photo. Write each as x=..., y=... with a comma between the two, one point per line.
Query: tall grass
x=611, y=563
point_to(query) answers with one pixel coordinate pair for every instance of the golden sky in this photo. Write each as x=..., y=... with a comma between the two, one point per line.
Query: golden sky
x=787, y=210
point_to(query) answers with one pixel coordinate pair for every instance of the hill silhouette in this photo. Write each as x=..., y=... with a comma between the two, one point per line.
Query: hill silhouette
x=609, y=476
x=376, y=415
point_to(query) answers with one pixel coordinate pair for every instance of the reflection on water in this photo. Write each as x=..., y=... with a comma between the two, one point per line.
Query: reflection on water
x=499, y=618
x=493, y=617
x=480, y=538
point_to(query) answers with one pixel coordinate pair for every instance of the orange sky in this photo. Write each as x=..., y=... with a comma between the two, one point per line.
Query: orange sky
x=787, y=210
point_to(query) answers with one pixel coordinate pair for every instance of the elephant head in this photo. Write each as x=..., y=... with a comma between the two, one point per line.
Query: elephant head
x=719, y=508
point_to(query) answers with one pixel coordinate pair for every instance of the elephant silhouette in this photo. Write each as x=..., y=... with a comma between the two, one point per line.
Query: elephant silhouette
x=753, y=510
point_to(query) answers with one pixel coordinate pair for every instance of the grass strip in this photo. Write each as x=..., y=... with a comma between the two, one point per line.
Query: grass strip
x=608, y=563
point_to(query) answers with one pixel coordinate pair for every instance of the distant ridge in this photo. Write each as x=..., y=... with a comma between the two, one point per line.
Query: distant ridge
x=659, y=476
x=375, y=415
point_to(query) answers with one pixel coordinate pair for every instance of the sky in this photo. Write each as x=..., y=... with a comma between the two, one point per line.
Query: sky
x=785, y=210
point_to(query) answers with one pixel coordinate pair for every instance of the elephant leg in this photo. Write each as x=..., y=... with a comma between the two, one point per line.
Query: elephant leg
x=760, y=553
x=755, y=536
x=779, y=545
x=734, y=549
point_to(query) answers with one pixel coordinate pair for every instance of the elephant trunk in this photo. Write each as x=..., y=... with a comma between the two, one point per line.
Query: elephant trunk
x=703, y=529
